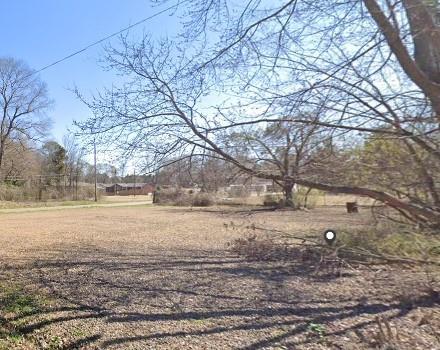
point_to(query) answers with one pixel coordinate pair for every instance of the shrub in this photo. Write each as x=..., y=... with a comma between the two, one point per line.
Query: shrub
x=272, y=200
x=11, y=192
x=168, y=195
x=182, y=200
x=381, y=241
x=179, y=197
x=86, y=192
x=202, y=200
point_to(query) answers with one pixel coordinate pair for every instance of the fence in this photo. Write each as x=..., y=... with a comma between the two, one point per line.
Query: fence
x=45, y=187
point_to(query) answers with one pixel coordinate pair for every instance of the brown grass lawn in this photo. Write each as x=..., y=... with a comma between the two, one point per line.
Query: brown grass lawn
x=161, y=278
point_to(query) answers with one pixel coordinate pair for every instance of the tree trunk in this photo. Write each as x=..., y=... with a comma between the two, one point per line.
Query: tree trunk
x=2, y=151
x=424, y=72
x=426, y=36
x=288, y=195
x=306, y=197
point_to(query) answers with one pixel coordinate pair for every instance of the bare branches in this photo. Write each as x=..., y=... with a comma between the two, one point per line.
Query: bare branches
x=22, y=99
x=295, y=92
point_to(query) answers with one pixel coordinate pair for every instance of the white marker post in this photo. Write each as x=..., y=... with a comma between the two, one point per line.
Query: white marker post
x=330, y=236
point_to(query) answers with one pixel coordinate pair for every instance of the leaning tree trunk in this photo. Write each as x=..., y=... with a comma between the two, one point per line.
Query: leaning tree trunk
x=423, y=69
x=425, y=32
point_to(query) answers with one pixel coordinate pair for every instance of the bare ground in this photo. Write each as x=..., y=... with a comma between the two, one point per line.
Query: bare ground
x=160, y=278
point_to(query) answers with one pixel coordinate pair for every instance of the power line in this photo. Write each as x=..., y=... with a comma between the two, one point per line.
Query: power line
x=106, y=38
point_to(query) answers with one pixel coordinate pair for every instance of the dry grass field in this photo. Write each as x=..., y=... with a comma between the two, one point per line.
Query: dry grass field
x=161, y=278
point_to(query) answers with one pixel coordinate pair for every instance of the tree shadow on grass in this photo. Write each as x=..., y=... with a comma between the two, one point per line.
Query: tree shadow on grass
x=315, y=315
x=211, y=295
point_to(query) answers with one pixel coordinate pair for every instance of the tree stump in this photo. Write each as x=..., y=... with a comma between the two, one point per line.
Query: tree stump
x=352, y=207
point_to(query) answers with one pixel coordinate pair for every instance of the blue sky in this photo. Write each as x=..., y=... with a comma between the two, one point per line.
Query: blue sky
x=41, y=32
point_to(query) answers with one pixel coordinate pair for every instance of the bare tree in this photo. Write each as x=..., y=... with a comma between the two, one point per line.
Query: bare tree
x=360, y=67
x=23, y=99
x=284, y=149
x=75, y=163
x=20, y=161
x=205, y=172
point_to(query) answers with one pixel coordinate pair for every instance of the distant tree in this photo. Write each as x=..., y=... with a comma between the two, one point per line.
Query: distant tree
x=204, y=172
x=23, y=99
x=105, y=173
x=284, y=149
x=20, y=161
x=211, y=173
x=75, y=163
x=137, y=178
x=54, y=161
x=178, y=173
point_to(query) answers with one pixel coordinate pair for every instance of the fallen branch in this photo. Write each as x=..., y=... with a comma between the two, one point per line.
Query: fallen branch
x=360, y=252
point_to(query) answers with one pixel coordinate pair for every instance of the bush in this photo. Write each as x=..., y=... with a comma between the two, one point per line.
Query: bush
x=400, y=244
x=168, y=195
x=202, y=200
x=272, y=200
x=87, y=192
x=179, y=197
x=11, y=193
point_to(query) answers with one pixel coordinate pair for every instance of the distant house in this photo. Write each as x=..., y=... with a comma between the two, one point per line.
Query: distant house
x=252, y=186
x=125, y=189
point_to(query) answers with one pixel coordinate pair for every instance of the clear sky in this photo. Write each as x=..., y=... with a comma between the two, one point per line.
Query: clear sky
x=40, y=32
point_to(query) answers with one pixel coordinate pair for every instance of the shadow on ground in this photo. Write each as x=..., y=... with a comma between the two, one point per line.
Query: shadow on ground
x=209, y=299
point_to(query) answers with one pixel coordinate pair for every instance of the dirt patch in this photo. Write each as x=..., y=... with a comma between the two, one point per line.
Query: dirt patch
x=160, y=278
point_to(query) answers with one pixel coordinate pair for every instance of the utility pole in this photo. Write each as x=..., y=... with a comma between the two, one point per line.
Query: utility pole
x=134, y=176
x=96, y=178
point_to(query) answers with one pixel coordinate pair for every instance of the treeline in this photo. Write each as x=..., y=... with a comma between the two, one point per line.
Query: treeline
x=51, y=171
x=55, y=171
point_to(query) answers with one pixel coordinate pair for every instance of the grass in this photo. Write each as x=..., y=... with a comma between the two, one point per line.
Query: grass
x=317, y=329
x=72, y=204
x=16, y=304
x=147, y=265
x=10, y=341
x=14, y=299
x=17, y=205
x=315, y=198
x=79, y=333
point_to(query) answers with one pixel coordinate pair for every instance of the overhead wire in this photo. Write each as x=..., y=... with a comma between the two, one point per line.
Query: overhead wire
x=97, y=42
